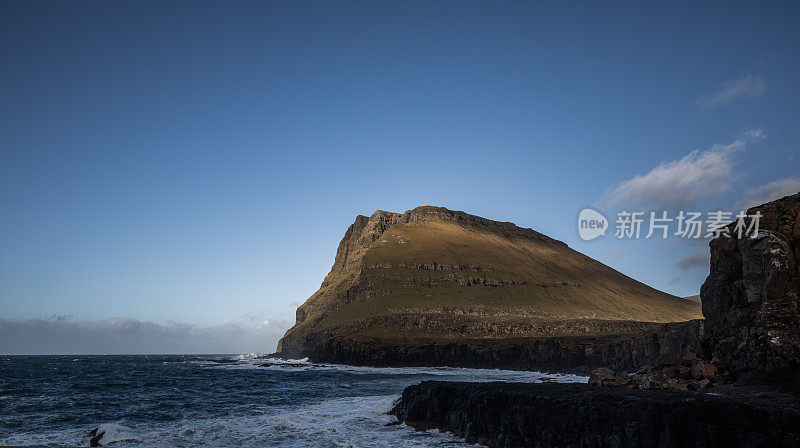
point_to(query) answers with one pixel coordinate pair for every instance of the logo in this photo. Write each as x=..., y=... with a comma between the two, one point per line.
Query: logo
x=591, y=224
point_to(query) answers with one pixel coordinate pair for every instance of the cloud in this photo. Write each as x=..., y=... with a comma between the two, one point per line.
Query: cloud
x=700, y=258
x=131, y=336
x=748, y=87
x=681, y=184
x=769, y=192
x=62, y=317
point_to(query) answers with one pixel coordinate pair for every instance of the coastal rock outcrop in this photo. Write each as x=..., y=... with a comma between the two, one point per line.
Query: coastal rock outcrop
x=750, y=299
x=503, y=415
x=96, y=435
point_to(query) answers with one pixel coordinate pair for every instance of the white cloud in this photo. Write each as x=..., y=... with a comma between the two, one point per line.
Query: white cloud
x=748, y=87
x=681, y=184
x=769, y=192
x=132, y=336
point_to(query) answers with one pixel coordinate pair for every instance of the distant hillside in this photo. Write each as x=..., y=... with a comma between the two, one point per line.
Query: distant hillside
x=438, y=274
x=695, y=298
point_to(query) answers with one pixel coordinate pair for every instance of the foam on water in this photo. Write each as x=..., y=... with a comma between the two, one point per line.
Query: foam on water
x=464, y=374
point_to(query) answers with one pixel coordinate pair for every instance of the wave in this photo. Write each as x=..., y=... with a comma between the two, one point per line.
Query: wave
x=225, y=400
x=463, y=374
x=346, y=422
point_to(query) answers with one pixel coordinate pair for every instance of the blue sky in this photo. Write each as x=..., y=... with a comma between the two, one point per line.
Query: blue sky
x=198, y=162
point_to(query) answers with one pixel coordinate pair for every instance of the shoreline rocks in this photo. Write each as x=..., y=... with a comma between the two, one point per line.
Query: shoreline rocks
x=96, y=435
x=670, y=372
x=504, y=415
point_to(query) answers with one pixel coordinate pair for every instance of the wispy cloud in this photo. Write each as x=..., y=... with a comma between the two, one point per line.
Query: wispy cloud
x=700, y=258
x=748, y=87
x=130, y=335
x=682, y=183
x=769, y=192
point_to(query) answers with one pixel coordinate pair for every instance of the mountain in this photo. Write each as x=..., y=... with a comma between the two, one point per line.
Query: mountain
x=433, y=274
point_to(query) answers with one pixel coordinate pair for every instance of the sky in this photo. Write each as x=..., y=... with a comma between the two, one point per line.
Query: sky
x=176, y=176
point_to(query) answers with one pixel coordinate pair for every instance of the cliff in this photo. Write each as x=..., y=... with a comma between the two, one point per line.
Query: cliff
x=642, y=344
x=751, y=296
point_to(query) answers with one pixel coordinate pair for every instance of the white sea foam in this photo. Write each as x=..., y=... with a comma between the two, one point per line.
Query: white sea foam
x=454, y=373
x=342, y=422
x=114, y=432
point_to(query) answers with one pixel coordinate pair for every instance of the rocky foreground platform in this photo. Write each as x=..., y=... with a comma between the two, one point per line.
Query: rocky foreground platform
x=507, y=415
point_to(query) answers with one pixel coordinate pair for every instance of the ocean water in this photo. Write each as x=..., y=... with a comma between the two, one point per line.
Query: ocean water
x=215, y=401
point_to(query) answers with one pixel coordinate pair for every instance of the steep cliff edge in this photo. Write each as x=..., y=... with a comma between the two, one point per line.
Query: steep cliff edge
x=751, y=296
x=432, y=277
x=641, y=344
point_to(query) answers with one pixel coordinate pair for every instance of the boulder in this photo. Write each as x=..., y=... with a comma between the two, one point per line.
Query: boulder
x=697, y=369
x=709, y=371
x=95, y=435
x=688, y=359
x=699, y=375
x=600, y=376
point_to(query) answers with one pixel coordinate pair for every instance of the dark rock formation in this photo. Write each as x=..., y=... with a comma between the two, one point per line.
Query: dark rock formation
x=95, y=436
x=506, y=415
x=625, y=352
x=750, y=298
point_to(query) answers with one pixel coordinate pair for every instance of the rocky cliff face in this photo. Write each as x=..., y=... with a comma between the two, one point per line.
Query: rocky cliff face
x=348, y=263
x=640, y=344
x=750, y=298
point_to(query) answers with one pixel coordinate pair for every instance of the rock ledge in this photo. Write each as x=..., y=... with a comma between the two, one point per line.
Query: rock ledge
x=506, y=415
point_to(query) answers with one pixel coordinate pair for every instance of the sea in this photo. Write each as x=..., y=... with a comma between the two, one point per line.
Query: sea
x=217, y=401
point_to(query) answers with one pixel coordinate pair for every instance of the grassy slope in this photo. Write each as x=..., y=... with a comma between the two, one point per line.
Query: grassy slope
x=559, y=283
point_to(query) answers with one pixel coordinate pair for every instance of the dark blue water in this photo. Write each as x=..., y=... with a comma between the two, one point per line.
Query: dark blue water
x=220, y=400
